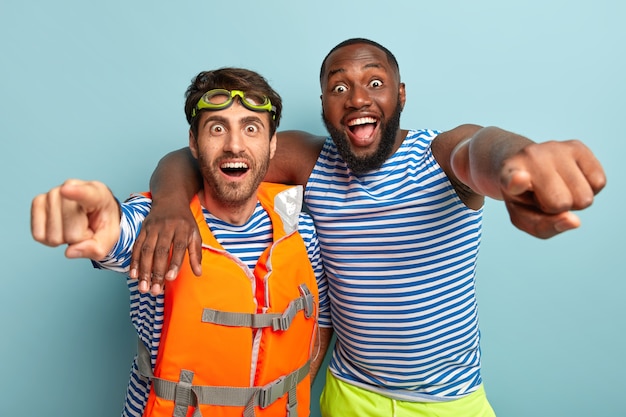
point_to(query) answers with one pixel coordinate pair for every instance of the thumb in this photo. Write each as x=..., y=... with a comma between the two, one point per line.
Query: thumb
x=195, y=253
x=516, y=182
x=89, y=248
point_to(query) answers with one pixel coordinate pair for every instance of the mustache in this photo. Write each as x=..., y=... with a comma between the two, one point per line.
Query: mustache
x=227, y=156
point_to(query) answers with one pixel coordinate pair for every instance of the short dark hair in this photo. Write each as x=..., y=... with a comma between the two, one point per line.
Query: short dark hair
x=230, y=79
x=390, y=57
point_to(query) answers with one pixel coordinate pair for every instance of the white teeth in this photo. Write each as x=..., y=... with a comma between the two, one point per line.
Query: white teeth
x=235, y=165
x=361, y=121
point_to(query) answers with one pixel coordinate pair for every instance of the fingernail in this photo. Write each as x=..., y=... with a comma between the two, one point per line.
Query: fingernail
x=563, y=226
x=171, y=274
x=156, y=289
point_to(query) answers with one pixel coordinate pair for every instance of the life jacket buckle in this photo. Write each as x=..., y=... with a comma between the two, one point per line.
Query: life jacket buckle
x=308, y=300
x=305, y=302
x=271, y=392
x=283, y=322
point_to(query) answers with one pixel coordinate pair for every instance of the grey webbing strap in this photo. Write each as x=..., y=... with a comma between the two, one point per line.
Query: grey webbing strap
x=180, y=392
x=185, y=395
x=274, y=320
x=292, y=399
x=261, y=396
x=237, y=319
x=183, y=398
x=144, y=361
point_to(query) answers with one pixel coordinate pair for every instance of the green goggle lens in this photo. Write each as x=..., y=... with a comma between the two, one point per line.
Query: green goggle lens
x=219, y=99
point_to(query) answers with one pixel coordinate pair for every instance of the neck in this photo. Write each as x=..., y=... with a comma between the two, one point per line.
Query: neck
x=400, y=136
x=235, y=214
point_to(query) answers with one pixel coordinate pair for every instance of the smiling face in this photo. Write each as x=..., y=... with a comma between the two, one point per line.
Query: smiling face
x=362, y=98
x=233, y=148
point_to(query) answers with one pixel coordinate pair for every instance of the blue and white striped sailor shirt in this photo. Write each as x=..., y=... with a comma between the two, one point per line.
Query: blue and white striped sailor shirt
x=400, y=249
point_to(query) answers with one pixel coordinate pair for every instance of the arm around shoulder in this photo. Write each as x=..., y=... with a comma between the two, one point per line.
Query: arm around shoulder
x=170, y=229
x=295, y=157
x=176, y=177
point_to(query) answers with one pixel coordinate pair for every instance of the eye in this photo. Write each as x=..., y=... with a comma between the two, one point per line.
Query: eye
x=339, y=89
x=376, y=83
x=251, y=129
x=217, y=129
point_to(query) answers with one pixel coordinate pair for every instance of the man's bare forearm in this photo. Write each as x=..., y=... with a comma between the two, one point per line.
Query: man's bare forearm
x=176, y=178
x=478, y=160
x=319, y=352
x=170, y=230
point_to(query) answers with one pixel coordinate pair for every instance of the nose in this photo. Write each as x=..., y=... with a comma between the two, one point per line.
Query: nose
x=234, y=142
x=359, y=97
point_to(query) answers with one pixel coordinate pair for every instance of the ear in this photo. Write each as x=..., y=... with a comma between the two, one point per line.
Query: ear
x=193, y=144
x=402, y=94
x=273, y=141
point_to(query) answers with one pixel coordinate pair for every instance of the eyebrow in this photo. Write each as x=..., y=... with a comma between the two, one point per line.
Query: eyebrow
x=366, y=66
x=249, y=119
x=243, y=120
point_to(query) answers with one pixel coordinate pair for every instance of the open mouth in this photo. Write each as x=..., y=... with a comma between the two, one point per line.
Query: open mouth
x=363, y=127
x=234, y=169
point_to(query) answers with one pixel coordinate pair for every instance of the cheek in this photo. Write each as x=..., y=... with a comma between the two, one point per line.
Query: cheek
x=332, y=108
x=208, y=148
x=262, y=149
x=388, y=100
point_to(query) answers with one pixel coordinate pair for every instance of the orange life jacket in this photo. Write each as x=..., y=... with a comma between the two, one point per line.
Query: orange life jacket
x=237, y=342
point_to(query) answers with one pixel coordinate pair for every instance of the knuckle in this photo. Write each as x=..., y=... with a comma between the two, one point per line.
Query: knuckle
x=583, y=202
x=180, y=245
x=54, y=241
x=162, y=251
x=146, y=249
x=39, y=236
x=598, y=183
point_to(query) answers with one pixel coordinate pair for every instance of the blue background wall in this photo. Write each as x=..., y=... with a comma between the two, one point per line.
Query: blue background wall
x=94, y=90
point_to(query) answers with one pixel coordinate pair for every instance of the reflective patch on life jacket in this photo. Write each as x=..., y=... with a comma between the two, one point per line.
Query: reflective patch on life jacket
x=288, y=205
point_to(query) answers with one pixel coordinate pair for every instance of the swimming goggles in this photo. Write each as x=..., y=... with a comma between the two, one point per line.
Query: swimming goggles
x=220, y=98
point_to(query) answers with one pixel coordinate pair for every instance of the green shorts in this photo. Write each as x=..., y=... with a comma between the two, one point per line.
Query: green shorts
x=340, y=399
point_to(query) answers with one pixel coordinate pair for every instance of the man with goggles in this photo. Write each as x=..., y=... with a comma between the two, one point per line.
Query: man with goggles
x=252, y=303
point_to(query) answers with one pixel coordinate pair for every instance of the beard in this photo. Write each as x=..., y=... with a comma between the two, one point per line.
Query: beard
x=362, y=164
x=230, y=193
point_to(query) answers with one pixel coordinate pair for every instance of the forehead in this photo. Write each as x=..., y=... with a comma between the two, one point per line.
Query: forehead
x=235, y=114
x=357, y=58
